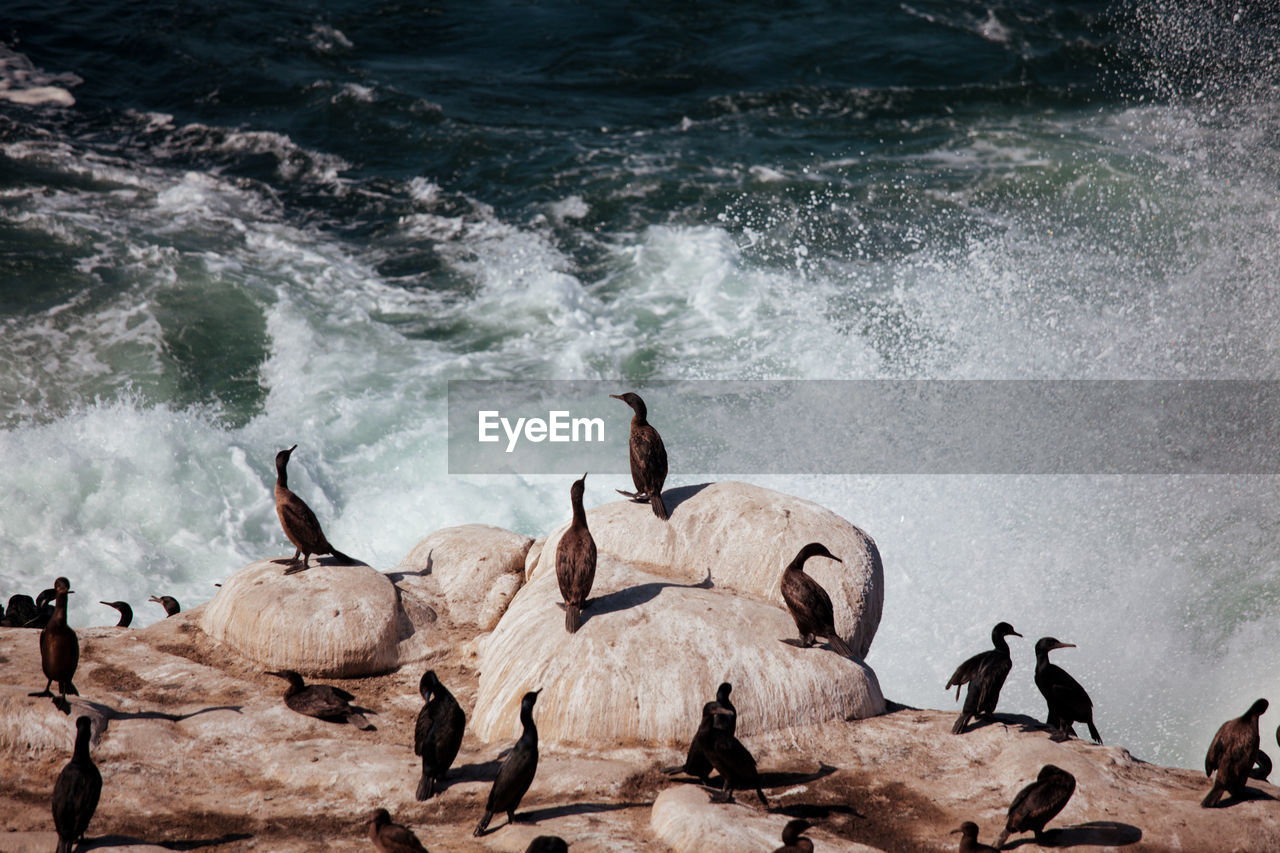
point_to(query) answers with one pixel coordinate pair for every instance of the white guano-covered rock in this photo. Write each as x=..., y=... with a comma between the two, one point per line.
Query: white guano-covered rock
x=473, y=569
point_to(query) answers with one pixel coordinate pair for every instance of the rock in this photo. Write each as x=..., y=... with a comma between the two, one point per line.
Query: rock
x=475, y=568
x=745, y=536
x=649, y=654
x=330, y=620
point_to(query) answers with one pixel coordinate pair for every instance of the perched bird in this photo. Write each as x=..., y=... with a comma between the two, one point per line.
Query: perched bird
x=391, y=837
x=126, y=612
x=323, y=701
x=985, y=674
x=648, y=457
x=793, y=838
x=517, y=771
x=437, y=734
x=696, y=763
x=547, y=844
x=809, y=603
x=75, y=794
x=59, y=650
x=1039, y=803
x=736, y=765
x=576, y=560
x=20, y=610
x=1232, y=755
x=969, y=838
x=1068, y=702
x=299, y=522
x=168, y=602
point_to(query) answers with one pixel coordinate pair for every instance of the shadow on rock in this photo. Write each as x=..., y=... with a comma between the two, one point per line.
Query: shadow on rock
x=634, y=596
x=186, y=844
x=1098, y=833
x=553, y=812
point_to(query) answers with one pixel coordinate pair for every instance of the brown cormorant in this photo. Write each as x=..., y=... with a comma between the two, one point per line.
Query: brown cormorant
x=969, y=843
x=20, y=610
x=1039, y=803
x=648, y=457
x=576, y=560
x=809, y=603
x=168, y=602
x=391, y=837
x=726, y=753
x=793, y=838
x=696, y=763
x=59, y=650
x=985, y=674
x=323, y=701
x=75, y=794
x=516, y=773
x=299, y=522
x=1232, y=755
x=437, y=734
x=1068, y=702
x=547, y=844
x=126, y=612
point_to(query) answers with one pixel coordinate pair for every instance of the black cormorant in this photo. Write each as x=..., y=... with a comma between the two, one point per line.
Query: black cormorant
x=299, y=522
x=1039, y=803
x=1232, y=755
x=985, y=674
x=391, y=837
x=1068, y=702
x=168, y=602
x=809, y=603
x=969, y=843
x=76, y=793
x=126, y=612
x=793, y=838
x=322, y=701
x=727, y=755
x=437, y=734
x=576, y=560
x=516, y=773
x=648, y=457
x=59, y=650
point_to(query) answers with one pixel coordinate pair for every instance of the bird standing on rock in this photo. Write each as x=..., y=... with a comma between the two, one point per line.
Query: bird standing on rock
x=299, y=522
x=648, y=457
x=576, y=560
x=1232, y=755
x=696, y=763
x=323, y=701
x=126, y=612
x=969, y=843
x=985, y=674
x=736, y=765
x=76, y=793
x=1067, y=700
x=437, y=734
x=809, y=603
x=168, y=602
x=1039, y=803
x=59, y=650
x=517, y=772
x=391, y=837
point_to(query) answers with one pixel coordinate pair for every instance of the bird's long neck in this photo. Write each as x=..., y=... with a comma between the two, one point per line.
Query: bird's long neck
x=1042, y=660
x=797, y=565
x=81, y=754
x=530, y=734
x=59, y=617
x=1001, y=644
x=579, y=512
x=282, y=474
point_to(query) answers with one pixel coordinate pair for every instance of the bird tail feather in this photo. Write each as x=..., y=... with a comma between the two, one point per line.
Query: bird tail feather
x=68, y=688
x=64, y=845
x=961, y=722
x=341, y=557
x=837, y=642
x=572, y=618
x=1211, y=799
x=763, y=801
x=1093, y=732
x=426, y=788
x=483, y=825
x=659, y=508
x=1004, y=836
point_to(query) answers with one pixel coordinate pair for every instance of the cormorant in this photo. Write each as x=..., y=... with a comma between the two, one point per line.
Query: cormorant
x=299, y=522
x=126, y=612
x=648, y=457
x=75, y=794
x=516, y=773
x=323, y=701
x=44, y=609
x=696, y=763
x=20, y=610
x=969, y=843
x=437, y=734
x=168, y=602
x=1068, y=702
x=547, y=844
x=985, y=674
x=391, y=837
x=59, y=650
x=1232, y=755
x=1039, y=803
x=576, y=560
x=793, y=839
x=809, y=603
x=726, y=753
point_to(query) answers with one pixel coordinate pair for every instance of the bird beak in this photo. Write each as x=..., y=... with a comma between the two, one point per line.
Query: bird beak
x=1065, y=646
x=1014, y=634
x=291, y=449
x=955, y=832
x=616, y=396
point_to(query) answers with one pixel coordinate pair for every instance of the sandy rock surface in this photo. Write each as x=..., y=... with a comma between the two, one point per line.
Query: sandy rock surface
x=473, y=570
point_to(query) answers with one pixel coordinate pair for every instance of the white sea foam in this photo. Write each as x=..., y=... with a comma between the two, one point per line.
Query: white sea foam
x=21, y=82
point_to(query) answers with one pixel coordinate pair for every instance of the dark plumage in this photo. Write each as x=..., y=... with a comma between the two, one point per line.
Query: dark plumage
x=76, y=793
x=59, y=650
x=126, y=612
x=547, y=844
x=20, y=610
x=696, y=763
x=1261, y=767
x=1039, y=803
x=438, y=733
x=648, y=457
x=299, y=522
x=793, y=838
x=44, y=609
x=809, y=603
x=391, y=837
x=1232, y=755
x=168, y=602
x=1068, y=702
x=969, y=838
x=727, y=755
x=985, y=674
x=576, y=560
x=516, y=773
x=322, y=701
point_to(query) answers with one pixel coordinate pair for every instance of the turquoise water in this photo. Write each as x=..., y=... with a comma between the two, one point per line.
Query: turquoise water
x=227, y=230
